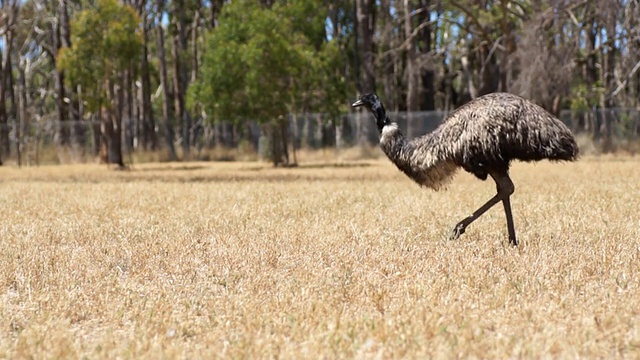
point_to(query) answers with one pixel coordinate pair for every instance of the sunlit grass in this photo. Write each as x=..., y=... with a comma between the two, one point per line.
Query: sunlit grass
x=328, y=260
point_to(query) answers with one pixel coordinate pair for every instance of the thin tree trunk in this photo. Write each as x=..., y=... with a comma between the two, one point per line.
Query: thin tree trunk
x=106, y=130
x=386, y=58
x=4, y=123
x=118, y=133
x=61, y=136
x=284, y=140
x=167, y=101
x=13, y=110
x=148, y=122
x=412, y=70
x=214, y=10
x=131, y=112
x=365, y=15
x=194, y=45
x=98, y=139
x=111, y=148
x=590, y=70
x=509, y=46
x=22, y=114
x=180, y=72
x=78, y=129
x=428, y=74
x=608, y=79
x=75, y=130
x=366, y=28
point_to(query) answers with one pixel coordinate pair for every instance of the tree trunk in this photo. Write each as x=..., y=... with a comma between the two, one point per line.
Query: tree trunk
x=131, y=112
x=78, y=131
x=284, y=137
x=194, y=45
x=365, y=15
x=118, y=122
x=22, y=114
x=608, y=79
x=148, y=123
x=167, y=101
x=468, y=77
x=366, y=28
x=111, y=147
x=428, y=74
x=75, y=108
x=180, y=72
x=11, y=87
x=5, y=145
x=61, y=136
x=412, y=70
x=590, y=73
x=96, y=131
x=214, y=10
x=106, y=130
x=509, y=46
x=388, y=55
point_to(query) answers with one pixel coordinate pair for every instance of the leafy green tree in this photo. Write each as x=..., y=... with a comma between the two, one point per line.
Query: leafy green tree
x=106, y=42
x=262, y=63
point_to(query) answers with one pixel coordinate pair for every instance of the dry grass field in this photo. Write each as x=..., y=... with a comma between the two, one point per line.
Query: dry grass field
x=327, y=260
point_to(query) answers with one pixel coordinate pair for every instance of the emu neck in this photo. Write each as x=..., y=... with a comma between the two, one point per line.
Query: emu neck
x=393, y=143
x=381, y=117
x=398, y=150
x=416, y=158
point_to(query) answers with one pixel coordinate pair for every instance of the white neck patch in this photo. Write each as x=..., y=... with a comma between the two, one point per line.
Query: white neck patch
x=388, y=129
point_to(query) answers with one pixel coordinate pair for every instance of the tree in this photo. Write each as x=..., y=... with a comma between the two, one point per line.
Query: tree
x=10, y=12
x=167, y=100
x=259, y=66
x=365, y=65
x=180, y=72
x=413, y=72
x=545, y=60
x=147, y=127
x=106, y=41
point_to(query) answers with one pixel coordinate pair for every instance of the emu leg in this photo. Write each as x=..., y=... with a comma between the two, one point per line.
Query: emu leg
x=462, y=225
x=505, y=188
x=512, y=232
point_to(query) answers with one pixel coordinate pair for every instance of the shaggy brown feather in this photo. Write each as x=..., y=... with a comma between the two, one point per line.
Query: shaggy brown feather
x=481, y=136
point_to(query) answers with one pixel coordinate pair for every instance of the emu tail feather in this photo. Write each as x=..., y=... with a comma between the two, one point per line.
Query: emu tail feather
x=543, y=136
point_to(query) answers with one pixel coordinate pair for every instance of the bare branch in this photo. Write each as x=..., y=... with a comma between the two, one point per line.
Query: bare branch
x=407, y=42
x=474, y=20
x=625, y=81
x=495, y=46
x=572, y=17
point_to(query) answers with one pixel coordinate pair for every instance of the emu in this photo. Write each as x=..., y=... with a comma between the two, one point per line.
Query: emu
x=482, y=137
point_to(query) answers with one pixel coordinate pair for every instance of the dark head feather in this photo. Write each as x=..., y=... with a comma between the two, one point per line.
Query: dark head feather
x=372, y=102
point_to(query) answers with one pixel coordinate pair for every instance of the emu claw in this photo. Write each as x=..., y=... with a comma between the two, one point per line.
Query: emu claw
x=457, y=231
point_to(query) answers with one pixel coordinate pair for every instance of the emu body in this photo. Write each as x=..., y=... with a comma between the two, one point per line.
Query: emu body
x=482, y=137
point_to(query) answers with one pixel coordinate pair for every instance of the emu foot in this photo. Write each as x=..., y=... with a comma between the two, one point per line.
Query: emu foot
x=461, y=227
x=457, y=231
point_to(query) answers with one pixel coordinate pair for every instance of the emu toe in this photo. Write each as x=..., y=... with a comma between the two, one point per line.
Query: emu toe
x=457, y=231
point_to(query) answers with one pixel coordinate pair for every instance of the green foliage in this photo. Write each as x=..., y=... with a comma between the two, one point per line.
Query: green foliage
x=105, y=40
x=261, y=63
x=583, y=98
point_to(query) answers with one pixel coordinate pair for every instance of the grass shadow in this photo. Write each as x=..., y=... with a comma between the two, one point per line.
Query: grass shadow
x=169, y=169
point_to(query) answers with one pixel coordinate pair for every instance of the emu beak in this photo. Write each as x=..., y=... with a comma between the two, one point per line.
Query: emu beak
x=357, y=103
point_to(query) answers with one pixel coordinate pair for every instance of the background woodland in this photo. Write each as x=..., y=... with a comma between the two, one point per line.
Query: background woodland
x=107, y=77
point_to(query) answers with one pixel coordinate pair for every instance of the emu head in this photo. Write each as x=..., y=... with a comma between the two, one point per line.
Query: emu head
x=371, y=102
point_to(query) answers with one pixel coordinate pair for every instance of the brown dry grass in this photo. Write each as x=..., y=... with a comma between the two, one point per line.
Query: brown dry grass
x=349, y=260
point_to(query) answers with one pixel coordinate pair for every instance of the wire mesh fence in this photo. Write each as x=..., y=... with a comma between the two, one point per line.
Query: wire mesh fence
x=75, y=141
